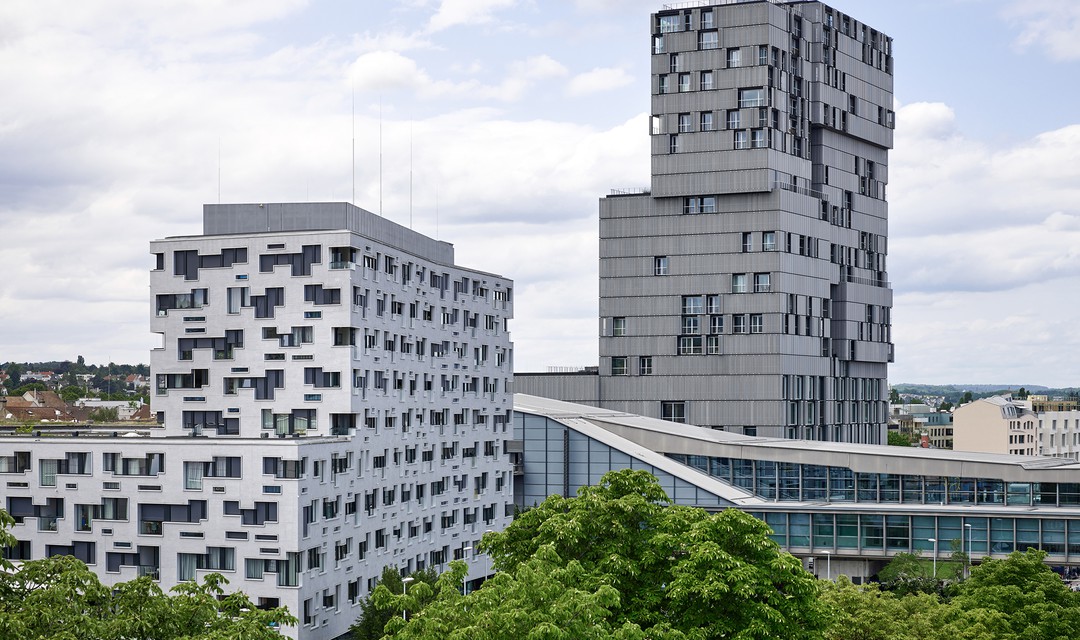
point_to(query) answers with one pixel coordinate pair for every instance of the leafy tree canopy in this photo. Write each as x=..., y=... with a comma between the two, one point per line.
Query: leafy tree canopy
x=620, y=561
x=59, y=598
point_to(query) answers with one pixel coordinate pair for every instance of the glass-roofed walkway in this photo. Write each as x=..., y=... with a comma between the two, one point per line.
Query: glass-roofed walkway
x=855, y=504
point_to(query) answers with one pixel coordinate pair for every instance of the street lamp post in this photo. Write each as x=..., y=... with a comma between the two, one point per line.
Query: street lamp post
x=405, y=583
x=465, y=580
x=828, y=564
x=934, y=540
x=967, y=525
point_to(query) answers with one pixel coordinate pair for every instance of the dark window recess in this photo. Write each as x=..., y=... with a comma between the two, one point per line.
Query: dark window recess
x=85, y=551
x=321, y=379
x=262, y=512
x=188, y=263
x=194, y=299
x=300, y=262
x=223, y=347
x=317, y=294
x=193, y=511
x=264, y=304
x=264, y=385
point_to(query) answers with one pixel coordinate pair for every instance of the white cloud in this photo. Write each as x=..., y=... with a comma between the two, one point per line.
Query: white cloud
x=1052, y=25
x=597, y=81
x=452, y=13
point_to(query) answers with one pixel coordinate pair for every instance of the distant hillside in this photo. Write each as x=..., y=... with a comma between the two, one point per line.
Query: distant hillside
x=953, y=392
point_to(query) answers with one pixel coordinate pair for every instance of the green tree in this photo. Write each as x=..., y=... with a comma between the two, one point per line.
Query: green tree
x=966, y=398
x=1016, y=598
x=59, y=598
x=71, y=394
x=619, y=560
x=897, y=439
x=373, y=619
x=105, y=414
x=908, y=573
x=866, y=612
x=894, y=396
x=14, y=371
x=945, y=406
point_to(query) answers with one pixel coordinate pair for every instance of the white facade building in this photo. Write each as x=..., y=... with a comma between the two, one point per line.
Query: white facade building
x=333, y=395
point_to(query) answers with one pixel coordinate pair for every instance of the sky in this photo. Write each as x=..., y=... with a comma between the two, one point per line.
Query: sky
x=496, y=125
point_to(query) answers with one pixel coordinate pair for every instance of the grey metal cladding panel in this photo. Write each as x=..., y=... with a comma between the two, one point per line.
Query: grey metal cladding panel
x=684, y=183
x=569, y=388
x=615, y=207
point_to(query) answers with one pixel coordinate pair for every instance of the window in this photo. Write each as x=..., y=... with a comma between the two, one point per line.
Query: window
x=645, y=365
x=763, y=55
x=742, y=139
x=712, y=345
x=733, y=57
x=673, y=65
x=738, y=323
x=708, y=40
x=733, y=119
x=706, y=83
x=663, y=86
x=658, y=44
x=713, y=304
x=707, y=121
x=689, y=345
x=684, y=82
x=673, y=411
x=751, y=98
x=691, y=305
x=747, y=242
x=853, y=105
x=670, y=24
x=691, y=325
x=716, y=324
x=738, y=283
x=704, y=204
x=618, y=366
x=762, y=283
x=768, y=241
x=685, y=125
x=758, y=139
x=707, y=20
x=618, y=326
x=673, y=144
x=660, y=266
x=757, y=323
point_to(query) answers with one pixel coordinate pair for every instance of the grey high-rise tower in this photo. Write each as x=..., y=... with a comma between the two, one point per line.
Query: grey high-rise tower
x=748, y=289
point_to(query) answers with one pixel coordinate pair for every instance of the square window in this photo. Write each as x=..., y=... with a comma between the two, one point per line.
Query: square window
x=662, y=87
x=708, y=204
x=684, y=82
x=660, y=265
x=618, y=326
x=673, y=411
x=716, y=324
x=689, y=345
x=685, y=124
x=768, y=241
x=712, y=345
x=691, y=325
x=733, y=58
x=707, y=81
x=707, y=121
x=733, y=119
x=758, y=139
x=738, y=283
x=618, y=366
x=751, y=98
x=762, y=282
x=707, y=19
x=757, y=323
x=738, y=323
x=708, y=40
x=691, y=305
x=742, y=139
x=645, y=365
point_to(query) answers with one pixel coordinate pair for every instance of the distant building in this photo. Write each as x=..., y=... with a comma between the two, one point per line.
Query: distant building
x=747, y=290
x=997, y=424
